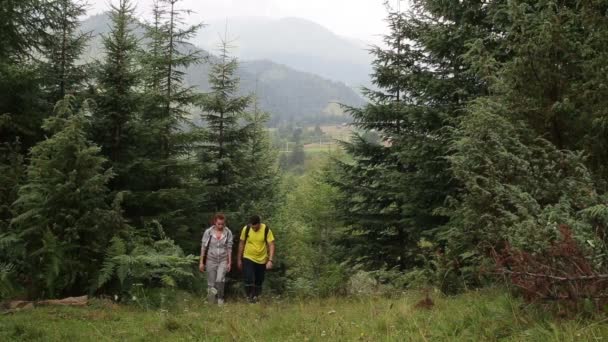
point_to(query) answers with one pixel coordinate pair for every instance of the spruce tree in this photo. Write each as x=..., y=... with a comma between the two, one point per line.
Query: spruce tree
x=261, y=180
x=64, y=217
x=118, y=99
x=530, y=156
x=390, y=192
x=221, y=155
x=61, y=71
x=24, y=24
x=12, y=172
x=166, y=188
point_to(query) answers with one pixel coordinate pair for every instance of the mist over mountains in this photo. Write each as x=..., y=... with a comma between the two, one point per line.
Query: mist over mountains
x=290, y=95
x=298, y=43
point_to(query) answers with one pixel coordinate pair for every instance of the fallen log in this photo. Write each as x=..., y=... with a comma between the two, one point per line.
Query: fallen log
x=69, y=301
x=17, y=305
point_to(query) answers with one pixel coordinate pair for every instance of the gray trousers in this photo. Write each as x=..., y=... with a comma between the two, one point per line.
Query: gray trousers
x=216, y=276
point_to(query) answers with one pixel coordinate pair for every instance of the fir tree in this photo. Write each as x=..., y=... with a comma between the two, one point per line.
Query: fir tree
x=24, y=24
x=390, y=192
x=64, y=217
x=118, y=101
x=61, y=71
x=166, y=188
x=12, y=172
x=222, y=154
x=261, y=180
x=515, y=151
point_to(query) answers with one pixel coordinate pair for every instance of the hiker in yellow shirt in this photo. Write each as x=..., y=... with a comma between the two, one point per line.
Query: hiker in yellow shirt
x=256, y=254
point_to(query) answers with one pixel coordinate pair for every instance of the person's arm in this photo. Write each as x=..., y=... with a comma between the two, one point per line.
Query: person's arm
x=270, y=255
x=229, y=250
x=239, y=260
x=201, y=265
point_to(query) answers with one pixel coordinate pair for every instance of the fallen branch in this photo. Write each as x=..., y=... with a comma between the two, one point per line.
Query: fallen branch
x=17, y=305
x=69, y=301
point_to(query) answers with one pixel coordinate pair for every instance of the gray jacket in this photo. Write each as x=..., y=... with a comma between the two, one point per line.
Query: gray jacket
x=218, y=249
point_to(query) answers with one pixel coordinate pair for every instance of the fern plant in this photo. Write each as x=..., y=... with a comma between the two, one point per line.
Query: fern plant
x=145, y=260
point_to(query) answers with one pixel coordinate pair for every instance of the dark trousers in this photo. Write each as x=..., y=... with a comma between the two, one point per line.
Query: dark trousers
x=254, y=277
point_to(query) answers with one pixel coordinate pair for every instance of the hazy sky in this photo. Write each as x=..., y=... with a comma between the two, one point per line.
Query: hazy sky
x=363, y=19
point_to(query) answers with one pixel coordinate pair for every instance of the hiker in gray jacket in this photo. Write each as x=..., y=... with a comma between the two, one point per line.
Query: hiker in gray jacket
x=216, y=258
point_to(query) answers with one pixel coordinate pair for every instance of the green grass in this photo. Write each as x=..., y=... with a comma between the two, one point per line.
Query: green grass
x=488, y=315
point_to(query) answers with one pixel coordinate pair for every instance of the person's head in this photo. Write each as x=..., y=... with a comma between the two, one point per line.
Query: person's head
x=255, y=221
x=219, y=220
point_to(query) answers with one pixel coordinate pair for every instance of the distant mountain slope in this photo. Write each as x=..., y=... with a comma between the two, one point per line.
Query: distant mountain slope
x=282, y=91
x=295, y=42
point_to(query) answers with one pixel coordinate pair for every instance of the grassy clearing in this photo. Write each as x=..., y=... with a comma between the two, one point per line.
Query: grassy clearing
x=488, y=315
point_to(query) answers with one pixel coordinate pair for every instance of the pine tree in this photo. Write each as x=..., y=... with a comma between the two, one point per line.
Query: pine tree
x=261, y=180
x=64, y=217
x=221, y=155
x=62, y=74
x=517, y=150
x=390, y=192
x=165, y=188
x=24, y=24
x=118, y=100
x=12, y=172
x=555, y=82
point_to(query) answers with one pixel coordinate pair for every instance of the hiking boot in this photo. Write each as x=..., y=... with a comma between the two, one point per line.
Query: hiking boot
x=211, y=292
x=220, y=302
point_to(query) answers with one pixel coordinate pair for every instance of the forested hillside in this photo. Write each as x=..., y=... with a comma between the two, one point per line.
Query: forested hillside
x=289, y=95
x=479, y=160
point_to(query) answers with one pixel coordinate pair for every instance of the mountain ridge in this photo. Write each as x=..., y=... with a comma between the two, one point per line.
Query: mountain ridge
x=287, y=94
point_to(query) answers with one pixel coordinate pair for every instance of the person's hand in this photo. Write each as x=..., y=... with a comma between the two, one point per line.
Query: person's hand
x=239, y=264
x=201, y=267
x=269, y=265
x=228, y=267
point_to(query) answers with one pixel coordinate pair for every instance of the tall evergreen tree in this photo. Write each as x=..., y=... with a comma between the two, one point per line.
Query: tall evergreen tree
x=118, y=100
x=391, y=191
x=24, y=24
x=516, y=151
x=64, y=217
x=261, y=178
x=555, y=83
x=61, y=72
x=165, y=188
x=222, y=155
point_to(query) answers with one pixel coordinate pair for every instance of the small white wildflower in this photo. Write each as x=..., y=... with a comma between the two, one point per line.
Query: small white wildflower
x=134, y=298
x=115, y=297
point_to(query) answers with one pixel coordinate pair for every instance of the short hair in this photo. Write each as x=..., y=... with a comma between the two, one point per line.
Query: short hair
x=255, y=219
x=219, y=216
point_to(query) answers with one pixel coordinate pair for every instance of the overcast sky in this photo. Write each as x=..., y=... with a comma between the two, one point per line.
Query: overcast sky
x=362, y=19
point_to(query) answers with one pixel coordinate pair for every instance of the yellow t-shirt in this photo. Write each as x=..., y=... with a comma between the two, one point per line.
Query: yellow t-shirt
x=255, y=247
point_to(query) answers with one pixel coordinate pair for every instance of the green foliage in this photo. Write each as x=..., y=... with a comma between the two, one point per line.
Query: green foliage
x=61, y=71
x=308, y=231
x=523, y=153
x=115, y=120
x=222, y=153
x=480, y=315
x=391, y=186
x=163, y=186
x=12, y=174
x=144, y=261
x=63, y=215
x=25, y=24
x=260, y=193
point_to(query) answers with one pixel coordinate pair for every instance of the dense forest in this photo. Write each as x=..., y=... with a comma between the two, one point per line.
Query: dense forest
x=478, y=158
